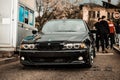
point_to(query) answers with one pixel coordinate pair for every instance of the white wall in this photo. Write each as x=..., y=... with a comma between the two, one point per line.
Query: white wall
x=5, y=23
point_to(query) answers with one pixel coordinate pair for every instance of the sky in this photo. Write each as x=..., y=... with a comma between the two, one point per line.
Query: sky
x=100, y=1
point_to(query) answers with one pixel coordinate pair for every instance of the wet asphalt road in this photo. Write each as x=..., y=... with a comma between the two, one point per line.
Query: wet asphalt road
x=106, y=67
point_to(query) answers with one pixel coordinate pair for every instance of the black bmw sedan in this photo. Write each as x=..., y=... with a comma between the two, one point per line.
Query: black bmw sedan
x=61, y=42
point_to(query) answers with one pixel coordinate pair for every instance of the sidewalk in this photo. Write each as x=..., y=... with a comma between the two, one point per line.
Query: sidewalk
x=5, y=59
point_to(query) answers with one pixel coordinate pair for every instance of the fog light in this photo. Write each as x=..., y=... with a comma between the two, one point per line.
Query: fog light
x=23, y=58
x=80, y=58
x=91, y=57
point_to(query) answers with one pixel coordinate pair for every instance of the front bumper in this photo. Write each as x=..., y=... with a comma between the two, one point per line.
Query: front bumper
x=66, y=57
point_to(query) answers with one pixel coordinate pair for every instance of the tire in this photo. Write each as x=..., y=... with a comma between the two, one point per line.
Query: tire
x=89, y=62
x=94, y=53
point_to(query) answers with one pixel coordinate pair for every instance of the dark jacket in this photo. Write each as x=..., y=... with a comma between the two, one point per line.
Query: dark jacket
x=117, y=26
x=104, y=29
x=97, y=26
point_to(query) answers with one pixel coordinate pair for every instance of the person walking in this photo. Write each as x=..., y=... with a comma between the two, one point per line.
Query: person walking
x=97, y=27
x=112, y=32
x=104, y=33
x=117, y=28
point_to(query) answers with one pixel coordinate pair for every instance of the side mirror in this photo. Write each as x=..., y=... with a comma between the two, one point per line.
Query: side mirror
x=34, y=31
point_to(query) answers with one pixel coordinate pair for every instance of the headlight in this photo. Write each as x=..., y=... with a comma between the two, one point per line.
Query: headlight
x=83, y=45
x=27, y=46
x=69, y=46
x=74, y=46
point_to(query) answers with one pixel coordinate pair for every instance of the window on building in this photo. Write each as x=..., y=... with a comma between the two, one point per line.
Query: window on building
x=93, y=14
x=90, y=14
x=98, y=14
x=31, y=17
x=108, y=15
x=26, y=14
x=112, y=15
x=21, y=14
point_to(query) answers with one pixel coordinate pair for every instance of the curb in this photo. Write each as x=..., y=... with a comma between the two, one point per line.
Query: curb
x=8, y=60
x=116, y=48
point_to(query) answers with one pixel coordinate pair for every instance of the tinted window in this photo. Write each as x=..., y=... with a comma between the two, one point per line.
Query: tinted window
x=64, y=26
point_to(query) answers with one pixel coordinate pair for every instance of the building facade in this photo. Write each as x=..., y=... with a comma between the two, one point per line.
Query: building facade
x=91, y=11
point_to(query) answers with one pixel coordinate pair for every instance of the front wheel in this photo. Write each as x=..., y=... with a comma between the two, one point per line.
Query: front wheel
x=94, y=53
x=89, y=62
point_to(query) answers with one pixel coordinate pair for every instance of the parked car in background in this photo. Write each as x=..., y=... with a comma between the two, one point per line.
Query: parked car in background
x=61, y=42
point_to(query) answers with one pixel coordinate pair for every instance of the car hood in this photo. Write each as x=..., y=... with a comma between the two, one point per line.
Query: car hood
x=62, y=37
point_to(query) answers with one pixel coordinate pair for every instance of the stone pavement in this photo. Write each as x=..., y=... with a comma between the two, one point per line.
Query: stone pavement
x=7, y=57
x=7, y=60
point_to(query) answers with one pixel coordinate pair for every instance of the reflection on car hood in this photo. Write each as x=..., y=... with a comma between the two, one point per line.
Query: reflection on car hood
x=62, y=37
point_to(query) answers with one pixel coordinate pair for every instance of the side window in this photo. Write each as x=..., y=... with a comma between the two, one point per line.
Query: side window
x=21, y=14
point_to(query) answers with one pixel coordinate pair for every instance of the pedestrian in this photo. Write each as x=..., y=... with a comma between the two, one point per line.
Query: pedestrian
x=112, y=32
x=97, y=27
x=104, y=33
x=117, y=28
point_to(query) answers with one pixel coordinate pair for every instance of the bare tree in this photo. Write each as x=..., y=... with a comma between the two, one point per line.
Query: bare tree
x=54, y=9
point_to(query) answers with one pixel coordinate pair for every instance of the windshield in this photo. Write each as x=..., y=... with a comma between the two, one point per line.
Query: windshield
x=64, y=26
